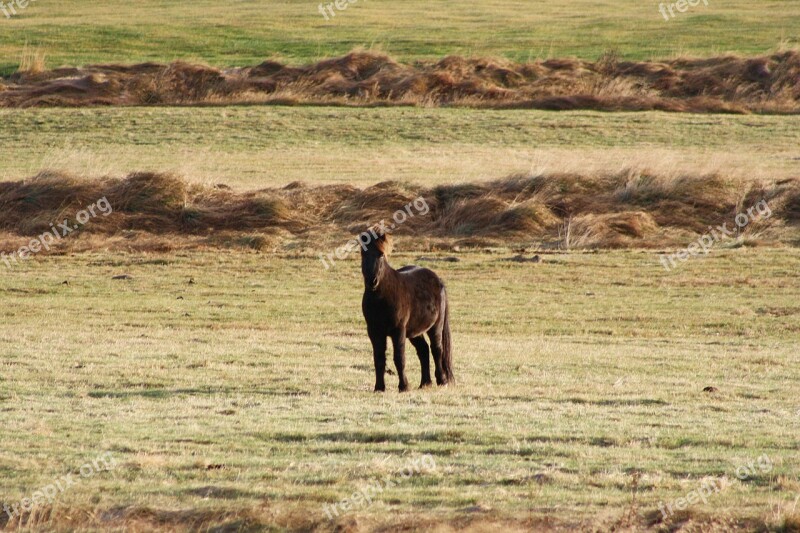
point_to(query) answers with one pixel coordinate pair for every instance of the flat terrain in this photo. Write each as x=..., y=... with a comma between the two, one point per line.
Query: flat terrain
x=579, y=397
x=79, y=32
x=255, y=146
x=234, y=388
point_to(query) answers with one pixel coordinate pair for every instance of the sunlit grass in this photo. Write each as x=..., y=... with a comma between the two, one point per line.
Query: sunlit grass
x=252, y=147
x=573, y=374
x=78, y=32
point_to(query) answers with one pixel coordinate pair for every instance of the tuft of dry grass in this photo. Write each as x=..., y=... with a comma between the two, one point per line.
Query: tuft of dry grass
x=723, y=84
x=32, y=61
x=630, y=208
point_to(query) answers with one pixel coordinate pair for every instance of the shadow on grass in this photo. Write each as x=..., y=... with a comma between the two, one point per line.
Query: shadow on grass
x=614, y=403
x=222, y=493
x=161, y=394
x=369, y=437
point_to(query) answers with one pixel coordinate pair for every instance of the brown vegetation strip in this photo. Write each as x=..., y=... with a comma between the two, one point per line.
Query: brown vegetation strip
x=299, y=517
x=619, y=210
x=765, y=84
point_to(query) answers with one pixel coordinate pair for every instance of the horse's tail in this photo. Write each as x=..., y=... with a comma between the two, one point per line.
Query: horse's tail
x=447, y=345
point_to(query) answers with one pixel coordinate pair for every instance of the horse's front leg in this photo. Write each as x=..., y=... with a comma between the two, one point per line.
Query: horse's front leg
x=399, y=343
x=379, y=356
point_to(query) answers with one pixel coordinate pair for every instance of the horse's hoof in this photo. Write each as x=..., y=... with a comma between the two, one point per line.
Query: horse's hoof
x=379, y=389
x=425, y=385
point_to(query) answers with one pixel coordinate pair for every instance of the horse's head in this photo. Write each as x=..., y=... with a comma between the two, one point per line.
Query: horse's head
x=375, y=246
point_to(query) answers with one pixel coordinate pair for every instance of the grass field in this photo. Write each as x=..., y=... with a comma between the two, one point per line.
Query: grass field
x=248, y=392
x=252, y=146
x=78, y=32
x=233, y=388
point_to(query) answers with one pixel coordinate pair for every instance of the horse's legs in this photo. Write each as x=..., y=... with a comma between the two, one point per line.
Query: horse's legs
x=399, y=342
x=424, y=358
x=435, y=335
x=379, y=356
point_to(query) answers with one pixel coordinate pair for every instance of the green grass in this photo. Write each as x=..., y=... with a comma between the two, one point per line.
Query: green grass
x=78, y=32
x=256, y=146
x=574, y=376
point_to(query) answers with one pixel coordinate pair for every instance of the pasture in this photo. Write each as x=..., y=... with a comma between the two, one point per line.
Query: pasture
x=227, y=372
x=244, y=396
x=247, y=32
x=247, y=147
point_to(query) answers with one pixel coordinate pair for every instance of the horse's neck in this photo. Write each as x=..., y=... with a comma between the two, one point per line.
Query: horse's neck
x=389, y=281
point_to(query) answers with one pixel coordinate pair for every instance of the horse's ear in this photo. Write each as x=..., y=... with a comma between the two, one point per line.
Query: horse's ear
x=384, y=243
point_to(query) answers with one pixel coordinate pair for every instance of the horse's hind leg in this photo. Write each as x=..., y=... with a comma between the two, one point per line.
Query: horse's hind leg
x=424, y=358
x=435, y=335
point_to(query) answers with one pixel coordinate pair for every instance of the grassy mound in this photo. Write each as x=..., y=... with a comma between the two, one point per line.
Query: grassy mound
x=626, y=209
x=728, y=84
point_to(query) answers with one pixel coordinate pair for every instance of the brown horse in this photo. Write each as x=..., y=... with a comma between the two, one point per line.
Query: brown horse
x=404, y=304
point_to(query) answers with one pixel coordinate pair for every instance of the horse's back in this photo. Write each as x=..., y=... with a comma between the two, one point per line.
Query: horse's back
x=426, y=298
x=410, y=268
x=421, y=275
x=424, y=284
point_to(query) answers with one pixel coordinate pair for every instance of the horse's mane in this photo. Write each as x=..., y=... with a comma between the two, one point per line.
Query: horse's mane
x=383, y=242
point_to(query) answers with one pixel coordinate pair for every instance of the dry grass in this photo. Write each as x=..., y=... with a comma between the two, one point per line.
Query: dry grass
x=723, y=84
x=580, y=405
x=284, y=517
x=604, y=210
x=298, y=518
x=32, y=61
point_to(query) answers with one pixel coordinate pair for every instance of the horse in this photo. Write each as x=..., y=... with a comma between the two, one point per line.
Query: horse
x=404, y=304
